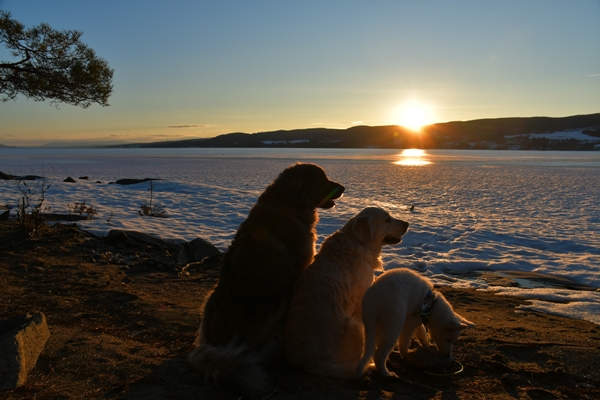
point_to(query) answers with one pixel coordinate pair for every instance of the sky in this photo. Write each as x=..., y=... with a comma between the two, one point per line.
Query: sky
x=191, y=69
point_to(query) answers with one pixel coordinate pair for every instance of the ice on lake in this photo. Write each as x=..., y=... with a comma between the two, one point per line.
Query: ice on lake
x=473, y=210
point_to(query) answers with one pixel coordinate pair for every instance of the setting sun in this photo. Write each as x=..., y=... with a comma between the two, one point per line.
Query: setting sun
x=414, y=115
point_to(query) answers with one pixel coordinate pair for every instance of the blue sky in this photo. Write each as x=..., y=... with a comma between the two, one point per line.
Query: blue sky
x=188, y=69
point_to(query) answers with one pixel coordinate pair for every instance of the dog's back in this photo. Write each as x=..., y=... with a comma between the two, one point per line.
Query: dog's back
x=385, y=307
x=323, y=329
x=324, y=333
x=398, y=304
x=242, y=325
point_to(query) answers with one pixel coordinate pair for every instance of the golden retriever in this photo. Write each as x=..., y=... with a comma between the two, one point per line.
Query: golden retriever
x=401, y=302
x=324, y=331
x=243, y=318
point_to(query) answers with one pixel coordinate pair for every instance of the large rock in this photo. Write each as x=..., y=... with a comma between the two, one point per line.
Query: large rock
x=4, y=212
x=129, y=181
x=132, y=238
x=9, y=177
x=196, y=250
x=22, y=339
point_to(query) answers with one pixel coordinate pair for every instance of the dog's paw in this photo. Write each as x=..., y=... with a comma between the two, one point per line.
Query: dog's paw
x=387, y=374
x=390, y=375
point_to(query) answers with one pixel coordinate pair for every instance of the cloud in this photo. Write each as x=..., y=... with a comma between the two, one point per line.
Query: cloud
x=593, y=75
x=186, y=126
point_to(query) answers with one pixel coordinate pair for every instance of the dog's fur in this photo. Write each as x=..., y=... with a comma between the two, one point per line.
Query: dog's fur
x=391, y=312
x=243, y=318
x=323, y=332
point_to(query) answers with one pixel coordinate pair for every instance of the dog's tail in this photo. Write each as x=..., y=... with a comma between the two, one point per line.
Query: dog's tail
x=232, y=367
x=369, y=322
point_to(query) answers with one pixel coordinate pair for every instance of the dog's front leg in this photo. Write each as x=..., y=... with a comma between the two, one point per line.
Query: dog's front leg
x=421, y=334
x=412, y=323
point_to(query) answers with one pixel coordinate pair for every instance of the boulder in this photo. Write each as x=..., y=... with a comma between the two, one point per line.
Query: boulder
x=196, y=250
x=132, y=238
x=9, y=177
x=69, y=180
x=65, y=217
x=6, y=177
x=22, y=339
x=4, y=212
x=129, y=181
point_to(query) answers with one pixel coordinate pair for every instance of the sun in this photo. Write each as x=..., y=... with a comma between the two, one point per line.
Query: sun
x=414, y=115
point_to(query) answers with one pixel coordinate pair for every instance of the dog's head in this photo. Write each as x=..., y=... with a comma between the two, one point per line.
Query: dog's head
x=308, y=186
x=445, y=326
x=375, y=227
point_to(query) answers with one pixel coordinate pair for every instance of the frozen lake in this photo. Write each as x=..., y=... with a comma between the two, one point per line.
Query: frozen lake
x=474, y=210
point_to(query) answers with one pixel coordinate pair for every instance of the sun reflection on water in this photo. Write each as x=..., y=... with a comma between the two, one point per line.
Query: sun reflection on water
x=414, y=157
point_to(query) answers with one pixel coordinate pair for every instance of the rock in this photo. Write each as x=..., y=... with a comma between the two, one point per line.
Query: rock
x=85, y=178
x=9, y=177
x=69, y=180
x=196, y=250
x=117, y=236
x=129, y=181
x=29, y=177
x=65, y=217
x=6, y=177
x=4, y=212
x=22, y=339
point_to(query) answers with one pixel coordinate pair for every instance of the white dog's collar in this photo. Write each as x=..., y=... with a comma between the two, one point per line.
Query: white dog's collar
x=426, y=306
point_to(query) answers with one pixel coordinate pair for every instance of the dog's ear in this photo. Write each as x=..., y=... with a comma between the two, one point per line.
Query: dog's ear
x=363, y=229
x=465, y=321
x=456, y=326
x=460, y=323
x=290, y=180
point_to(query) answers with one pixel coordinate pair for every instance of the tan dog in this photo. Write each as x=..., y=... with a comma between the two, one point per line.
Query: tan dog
x=242, y=325
x=399, y=303
x=324, y=332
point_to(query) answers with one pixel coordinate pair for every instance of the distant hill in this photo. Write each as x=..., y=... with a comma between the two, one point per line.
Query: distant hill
x=579, y=132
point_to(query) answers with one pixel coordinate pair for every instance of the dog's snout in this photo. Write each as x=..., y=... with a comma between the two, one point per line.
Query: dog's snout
x=405, y=225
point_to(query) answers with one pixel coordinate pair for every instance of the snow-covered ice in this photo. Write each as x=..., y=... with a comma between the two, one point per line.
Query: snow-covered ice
x=473, y=210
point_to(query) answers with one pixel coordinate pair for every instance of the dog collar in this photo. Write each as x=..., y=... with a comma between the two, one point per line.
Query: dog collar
x=426, y=306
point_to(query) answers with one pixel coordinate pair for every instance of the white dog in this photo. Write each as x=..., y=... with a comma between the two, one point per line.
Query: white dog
x=399, y=303
x=324, y=332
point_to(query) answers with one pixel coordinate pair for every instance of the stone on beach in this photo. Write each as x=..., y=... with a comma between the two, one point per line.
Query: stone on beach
x=195, y=251
x=133, y=238
x=22, y=339
x=129, y=181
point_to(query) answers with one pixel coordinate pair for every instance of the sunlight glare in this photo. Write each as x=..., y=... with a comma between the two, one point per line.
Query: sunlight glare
x=414, y=115
x=412, y=157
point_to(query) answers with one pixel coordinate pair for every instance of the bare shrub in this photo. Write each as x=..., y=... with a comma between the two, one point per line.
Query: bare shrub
x=152, y=210
x=83, y=209
x=30, y=208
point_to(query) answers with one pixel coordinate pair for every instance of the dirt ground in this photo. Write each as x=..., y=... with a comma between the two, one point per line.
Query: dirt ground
x=123, y=317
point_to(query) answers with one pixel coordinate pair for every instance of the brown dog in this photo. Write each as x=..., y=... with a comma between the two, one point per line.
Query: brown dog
x=242, y=325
